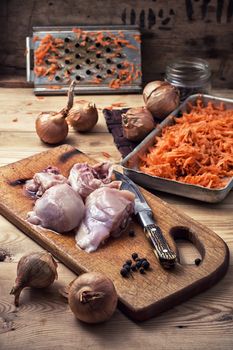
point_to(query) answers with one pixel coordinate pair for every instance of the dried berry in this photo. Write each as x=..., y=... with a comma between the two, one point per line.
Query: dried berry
x=124, y=272
x=197, y=261
x=126, y=267
x=145, y=264
x=134, y=256
x=131, y=233
x=129, y=262
x=138, y=264
x=134, y=267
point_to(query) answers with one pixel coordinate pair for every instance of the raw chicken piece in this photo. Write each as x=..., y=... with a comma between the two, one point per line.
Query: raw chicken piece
x=60, y=209
x=44, y=180
x=84, y=178
x=107, y=212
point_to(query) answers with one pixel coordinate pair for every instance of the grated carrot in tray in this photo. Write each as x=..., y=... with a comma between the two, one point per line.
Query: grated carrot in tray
x=197, y=149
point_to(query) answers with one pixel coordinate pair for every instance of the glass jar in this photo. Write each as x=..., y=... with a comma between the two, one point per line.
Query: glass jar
x=189, y=75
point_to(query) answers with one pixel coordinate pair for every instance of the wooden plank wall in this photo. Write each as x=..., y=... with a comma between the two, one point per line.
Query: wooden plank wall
x=170, y=29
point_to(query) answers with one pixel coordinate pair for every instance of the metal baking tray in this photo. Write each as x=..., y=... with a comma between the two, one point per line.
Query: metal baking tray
x=131, y=162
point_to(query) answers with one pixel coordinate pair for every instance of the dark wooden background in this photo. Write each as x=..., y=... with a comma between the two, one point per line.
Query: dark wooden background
x=202, y=28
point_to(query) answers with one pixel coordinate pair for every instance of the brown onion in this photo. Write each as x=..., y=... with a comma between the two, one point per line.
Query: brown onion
x=161, y=98
x=92, y=297
x=37, y=270
x=83, y=116
x=52, y=127
x=137, y=123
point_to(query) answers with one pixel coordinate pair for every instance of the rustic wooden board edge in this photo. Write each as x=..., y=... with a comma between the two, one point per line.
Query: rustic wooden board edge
x=138, y=314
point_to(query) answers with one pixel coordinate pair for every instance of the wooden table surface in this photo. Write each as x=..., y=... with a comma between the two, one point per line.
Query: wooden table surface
x=43, y=320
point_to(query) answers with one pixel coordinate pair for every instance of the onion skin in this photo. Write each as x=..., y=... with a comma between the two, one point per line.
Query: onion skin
x=37, y=270
x=137, y=123
x=51, y=127
x=92, y=297
x=161, y=98
x=83, y=116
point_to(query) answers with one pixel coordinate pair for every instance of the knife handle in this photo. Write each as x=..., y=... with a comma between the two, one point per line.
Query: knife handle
x=167, y=257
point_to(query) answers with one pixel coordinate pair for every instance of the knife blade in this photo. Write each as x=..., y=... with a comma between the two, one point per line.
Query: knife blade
x=166, y=256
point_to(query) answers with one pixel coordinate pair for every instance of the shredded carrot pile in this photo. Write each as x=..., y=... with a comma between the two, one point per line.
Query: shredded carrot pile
x=48, y=49
x=197, y=149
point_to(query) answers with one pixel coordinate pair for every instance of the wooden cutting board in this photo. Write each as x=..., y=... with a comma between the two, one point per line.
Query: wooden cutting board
x=140, y=296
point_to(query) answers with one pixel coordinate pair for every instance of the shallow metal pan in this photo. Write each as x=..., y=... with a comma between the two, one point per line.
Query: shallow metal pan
x=131, y=162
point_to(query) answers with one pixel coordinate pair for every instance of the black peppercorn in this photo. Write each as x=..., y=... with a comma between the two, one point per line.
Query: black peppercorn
x=126, y=267
x=145, y=264
x=197, y=261
x=124, y=272
x=139, y=264
x=141, y=270
x=134, y=267
x=134, y=256
x=129, y=262
x=131, y=233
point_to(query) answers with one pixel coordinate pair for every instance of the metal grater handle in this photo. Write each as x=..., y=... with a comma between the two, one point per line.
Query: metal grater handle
x=166, y=256
x=28, y=59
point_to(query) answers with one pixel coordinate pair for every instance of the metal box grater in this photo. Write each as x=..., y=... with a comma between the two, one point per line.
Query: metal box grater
x=104, y=59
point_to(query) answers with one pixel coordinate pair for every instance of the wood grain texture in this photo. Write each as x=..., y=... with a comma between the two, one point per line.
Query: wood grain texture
x=162, y=289
x=44, y=321
x=170, y=29
x=205, y=321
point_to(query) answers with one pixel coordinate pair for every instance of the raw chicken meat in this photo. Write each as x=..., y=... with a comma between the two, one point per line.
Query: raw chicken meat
x=84, y=178
x=60, y=209
x=107, y=212
x=44, y=180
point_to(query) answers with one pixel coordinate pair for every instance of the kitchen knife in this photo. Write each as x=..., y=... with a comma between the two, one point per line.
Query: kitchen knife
x=166, y=256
